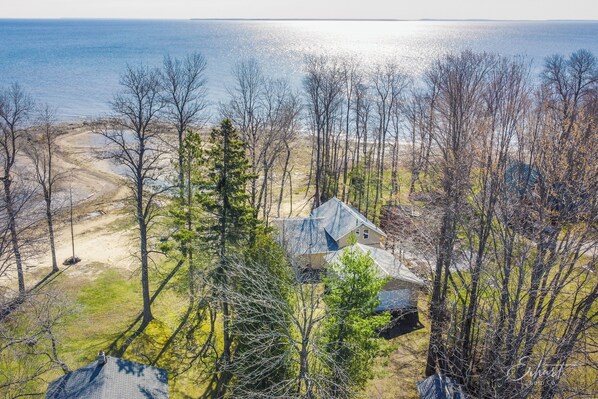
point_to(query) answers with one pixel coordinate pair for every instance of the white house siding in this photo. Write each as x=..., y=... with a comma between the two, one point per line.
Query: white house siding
x=407, y=289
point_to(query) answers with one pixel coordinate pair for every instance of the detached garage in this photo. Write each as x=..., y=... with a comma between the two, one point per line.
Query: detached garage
x=401, y=292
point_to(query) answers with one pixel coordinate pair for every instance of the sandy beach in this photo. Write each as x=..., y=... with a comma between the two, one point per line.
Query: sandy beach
x=99, y=198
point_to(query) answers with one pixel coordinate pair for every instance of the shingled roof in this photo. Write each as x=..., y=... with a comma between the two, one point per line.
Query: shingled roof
x=117, y=378
x=439, y=387
x=388, y=265
x=305, y=236
x=321, y=232
x=339, y=219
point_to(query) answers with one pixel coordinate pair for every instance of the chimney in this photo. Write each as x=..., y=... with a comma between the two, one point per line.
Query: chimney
x=101, y=358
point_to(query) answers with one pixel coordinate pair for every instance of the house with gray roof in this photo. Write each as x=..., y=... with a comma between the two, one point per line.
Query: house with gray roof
x=322, y=238
x=402, y=289
x=111, y=378
x=340, y=220
x=326, y=230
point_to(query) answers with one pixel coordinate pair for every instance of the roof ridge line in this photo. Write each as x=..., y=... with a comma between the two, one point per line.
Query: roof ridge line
x=360, y=216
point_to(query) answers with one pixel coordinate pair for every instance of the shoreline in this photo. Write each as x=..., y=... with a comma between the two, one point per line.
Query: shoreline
x=99, y=197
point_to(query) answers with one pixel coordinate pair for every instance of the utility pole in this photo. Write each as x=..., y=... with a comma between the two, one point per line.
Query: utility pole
x=73, y=258
x=72, y=231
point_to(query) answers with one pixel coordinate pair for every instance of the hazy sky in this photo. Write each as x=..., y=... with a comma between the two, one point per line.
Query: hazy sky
x=400, y=9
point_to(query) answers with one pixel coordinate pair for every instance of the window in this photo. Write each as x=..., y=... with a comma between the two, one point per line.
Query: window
x=366, y=233
x=357, y=232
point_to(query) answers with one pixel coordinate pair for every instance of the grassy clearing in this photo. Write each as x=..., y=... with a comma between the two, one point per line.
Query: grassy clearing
x=104, y=306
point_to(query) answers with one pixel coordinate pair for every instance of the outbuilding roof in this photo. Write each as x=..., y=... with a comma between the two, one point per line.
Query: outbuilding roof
x=521, y=177
x=388, y=265
x=439, y=387
x=117, y=378
x=394, y=300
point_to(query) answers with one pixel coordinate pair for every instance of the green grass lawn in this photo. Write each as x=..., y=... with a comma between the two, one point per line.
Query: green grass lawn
x=103, y=307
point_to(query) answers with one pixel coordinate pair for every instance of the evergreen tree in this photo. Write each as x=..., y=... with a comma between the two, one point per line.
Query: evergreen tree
x=227, y=224
x=352, y=288
x=186, y=211
x=222, y=193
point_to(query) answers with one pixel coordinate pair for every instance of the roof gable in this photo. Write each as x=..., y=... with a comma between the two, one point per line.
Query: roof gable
x=304, y=236
x=339, y=219
x=321, y=231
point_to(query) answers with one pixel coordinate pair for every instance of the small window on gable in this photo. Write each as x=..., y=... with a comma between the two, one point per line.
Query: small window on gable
x=357, y=232
x=366, y=233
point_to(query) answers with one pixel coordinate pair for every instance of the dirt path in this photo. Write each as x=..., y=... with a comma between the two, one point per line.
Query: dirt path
x=101, y=216
x=104, y=234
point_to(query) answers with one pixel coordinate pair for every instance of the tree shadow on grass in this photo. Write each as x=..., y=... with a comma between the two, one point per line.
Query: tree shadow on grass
x=174, y=334
x=14, y=303
x=123, y=340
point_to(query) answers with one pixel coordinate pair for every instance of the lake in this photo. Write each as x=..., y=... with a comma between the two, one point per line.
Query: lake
x=75, y=64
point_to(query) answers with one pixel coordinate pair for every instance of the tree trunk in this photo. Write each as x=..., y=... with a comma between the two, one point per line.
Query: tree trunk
x=51, y=233
x=181, y=168
x=346, y=154
x=224, y=361
x=12, y=225
x=284, y=177
x=318, y=194
x=437, y=305
x=147, y=305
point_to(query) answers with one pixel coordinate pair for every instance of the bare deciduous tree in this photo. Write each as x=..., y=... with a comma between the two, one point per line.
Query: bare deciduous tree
x=134, y=140
x=460, y=83
x=295, y=319
x=41, y=151
x=185, y=97
x=245, y=110
x=29, y=344
x=266, y=112
x=15, y=109
x=323, y=85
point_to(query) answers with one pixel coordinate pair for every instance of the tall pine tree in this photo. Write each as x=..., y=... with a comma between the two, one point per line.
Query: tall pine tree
x=228, y=222
x=186, y=212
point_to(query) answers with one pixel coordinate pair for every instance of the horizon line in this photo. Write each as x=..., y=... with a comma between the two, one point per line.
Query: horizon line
x=305, y=19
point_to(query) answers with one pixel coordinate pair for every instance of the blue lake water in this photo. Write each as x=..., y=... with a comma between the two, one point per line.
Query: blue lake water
x=75, y=64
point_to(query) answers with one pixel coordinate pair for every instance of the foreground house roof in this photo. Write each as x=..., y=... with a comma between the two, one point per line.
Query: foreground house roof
x=117, y=378
x=387, y=264
x=439, y=387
